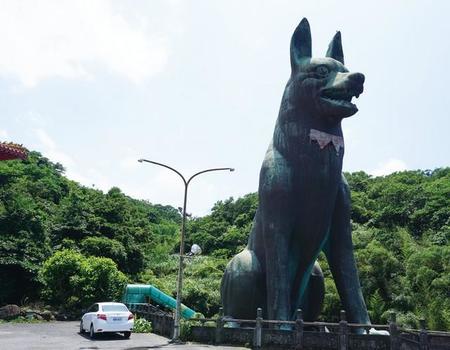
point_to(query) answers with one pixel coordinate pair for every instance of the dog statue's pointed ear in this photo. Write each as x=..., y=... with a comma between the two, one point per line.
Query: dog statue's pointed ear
x=300, y=43
x=335, y=48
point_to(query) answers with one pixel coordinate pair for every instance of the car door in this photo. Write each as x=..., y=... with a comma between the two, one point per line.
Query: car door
x=89, y=316
x=85, y=318
x=93, y=313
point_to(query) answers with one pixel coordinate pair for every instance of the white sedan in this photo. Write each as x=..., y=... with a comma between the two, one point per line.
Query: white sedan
x=107, y=317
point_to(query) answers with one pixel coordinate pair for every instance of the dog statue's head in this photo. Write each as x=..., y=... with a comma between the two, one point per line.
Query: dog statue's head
x=322, y=86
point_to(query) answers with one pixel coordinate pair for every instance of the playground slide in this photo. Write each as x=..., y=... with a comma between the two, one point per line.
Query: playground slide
x=137, y=293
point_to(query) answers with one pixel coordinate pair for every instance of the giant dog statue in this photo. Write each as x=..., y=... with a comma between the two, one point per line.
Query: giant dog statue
x=304, y=202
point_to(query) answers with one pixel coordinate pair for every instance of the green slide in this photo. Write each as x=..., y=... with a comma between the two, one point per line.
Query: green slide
x=137, y=293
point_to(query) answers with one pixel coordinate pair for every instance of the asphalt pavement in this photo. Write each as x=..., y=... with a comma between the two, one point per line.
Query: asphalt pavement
x=65, y=336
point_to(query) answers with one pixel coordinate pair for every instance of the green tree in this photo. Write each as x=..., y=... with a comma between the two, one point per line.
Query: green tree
x=428, y=274
x=72, y=281
x=63, y=276
x=105, y=247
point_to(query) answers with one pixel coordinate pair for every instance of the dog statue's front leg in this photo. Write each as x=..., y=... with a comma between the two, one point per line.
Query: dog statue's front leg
x=276, y=213
x=339, y=252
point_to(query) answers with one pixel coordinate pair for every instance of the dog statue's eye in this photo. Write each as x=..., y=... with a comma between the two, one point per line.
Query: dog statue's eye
x=323, y=71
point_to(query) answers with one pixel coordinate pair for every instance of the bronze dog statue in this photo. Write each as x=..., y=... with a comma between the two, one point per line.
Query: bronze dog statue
x=304, y=201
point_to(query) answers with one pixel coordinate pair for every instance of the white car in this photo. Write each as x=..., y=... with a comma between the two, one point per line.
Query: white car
x=107, y=317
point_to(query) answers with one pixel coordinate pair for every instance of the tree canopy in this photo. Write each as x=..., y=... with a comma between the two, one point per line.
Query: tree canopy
x=42, y=212
x=54, y=231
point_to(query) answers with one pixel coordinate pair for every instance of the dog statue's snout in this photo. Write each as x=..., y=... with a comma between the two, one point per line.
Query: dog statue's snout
x=357, y=78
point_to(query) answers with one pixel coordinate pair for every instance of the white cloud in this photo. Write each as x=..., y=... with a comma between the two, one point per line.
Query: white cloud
x=3, y=135
x=130, y=163
x=164, y=187
x=51, y=151
x=158, y=186
x=93, y=179
x=97, y=179
x=87, y=177
x=71, y=39
x=389, y=167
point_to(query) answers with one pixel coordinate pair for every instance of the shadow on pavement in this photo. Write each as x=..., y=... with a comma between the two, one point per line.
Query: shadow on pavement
x=104, y=336
x=149, y=347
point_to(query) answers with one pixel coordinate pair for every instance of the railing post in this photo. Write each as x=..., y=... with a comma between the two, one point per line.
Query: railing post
x=257, y=339
x=299, y=329
x=219, y=327
x=393, y=331
x=164, y=328
x=167, y=325
x=423, y=335
x=343, y=332
x=160, y=324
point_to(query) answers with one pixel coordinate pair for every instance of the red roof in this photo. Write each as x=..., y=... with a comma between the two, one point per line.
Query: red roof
x=10, y=151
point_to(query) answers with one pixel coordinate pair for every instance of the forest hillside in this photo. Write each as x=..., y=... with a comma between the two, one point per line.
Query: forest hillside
x=69, y=245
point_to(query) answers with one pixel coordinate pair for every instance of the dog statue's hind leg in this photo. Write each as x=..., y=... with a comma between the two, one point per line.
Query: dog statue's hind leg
x=243, y=286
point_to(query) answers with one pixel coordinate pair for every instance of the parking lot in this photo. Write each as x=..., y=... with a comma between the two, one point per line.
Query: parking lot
x=65, y=336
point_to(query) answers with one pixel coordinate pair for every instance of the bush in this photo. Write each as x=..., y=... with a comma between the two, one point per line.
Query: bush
x=104, y=280
x=72, y=281
x=186, y=331
x=63, y=279
x=141, y=325
x=105, y=247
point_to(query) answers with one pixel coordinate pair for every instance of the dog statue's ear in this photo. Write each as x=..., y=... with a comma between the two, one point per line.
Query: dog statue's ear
x=335, y=48
x=300, y=43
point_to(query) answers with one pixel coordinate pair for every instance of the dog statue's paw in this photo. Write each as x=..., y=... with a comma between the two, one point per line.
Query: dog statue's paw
x=379, y=332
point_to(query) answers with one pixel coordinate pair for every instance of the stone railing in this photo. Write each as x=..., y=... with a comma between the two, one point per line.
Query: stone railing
x=162, y=322
x=298, y=334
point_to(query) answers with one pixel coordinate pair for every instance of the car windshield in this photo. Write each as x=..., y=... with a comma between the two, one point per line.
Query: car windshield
x=114, y=307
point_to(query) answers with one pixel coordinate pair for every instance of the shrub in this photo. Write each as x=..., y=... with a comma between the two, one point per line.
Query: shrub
x=72, y=281
x=141, y=325
x=105, y=247
x=63, y=278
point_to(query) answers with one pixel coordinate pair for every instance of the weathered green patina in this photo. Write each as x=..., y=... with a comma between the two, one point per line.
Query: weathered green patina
x=304, y=202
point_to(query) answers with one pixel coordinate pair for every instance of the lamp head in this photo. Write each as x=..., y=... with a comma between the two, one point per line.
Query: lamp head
x=195, y=249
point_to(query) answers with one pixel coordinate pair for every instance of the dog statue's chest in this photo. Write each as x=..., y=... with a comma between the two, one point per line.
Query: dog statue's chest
x=324, y=139
x=305, y=147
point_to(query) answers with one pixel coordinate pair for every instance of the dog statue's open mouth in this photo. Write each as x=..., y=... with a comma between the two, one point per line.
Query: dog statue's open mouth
x=339, y=97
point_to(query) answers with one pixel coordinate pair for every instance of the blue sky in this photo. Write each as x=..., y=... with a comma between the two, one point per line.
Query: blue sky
x=97, y=85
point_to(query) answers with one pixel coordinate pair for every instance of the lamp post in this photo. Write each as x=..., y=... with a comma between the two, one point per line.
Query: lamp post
x=176, y=331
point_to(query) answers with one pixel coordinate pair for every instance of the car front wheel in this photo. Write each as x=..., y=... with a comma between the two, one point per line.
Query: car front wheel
x=91, y=332
x=81, y=327
x=126, y=335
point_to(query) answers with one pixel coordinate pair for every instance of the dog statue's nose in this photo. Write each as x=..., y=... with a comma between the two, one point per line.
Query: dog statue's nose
x=357, y=78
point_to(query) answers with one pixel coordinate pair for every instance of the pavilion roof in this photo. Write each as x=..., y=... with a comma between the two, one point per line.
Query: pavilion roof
x=9, y=150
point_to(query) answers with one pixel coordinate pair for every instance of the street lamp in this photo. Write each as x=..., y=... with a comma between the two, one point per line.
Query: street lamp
x=176, y=331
